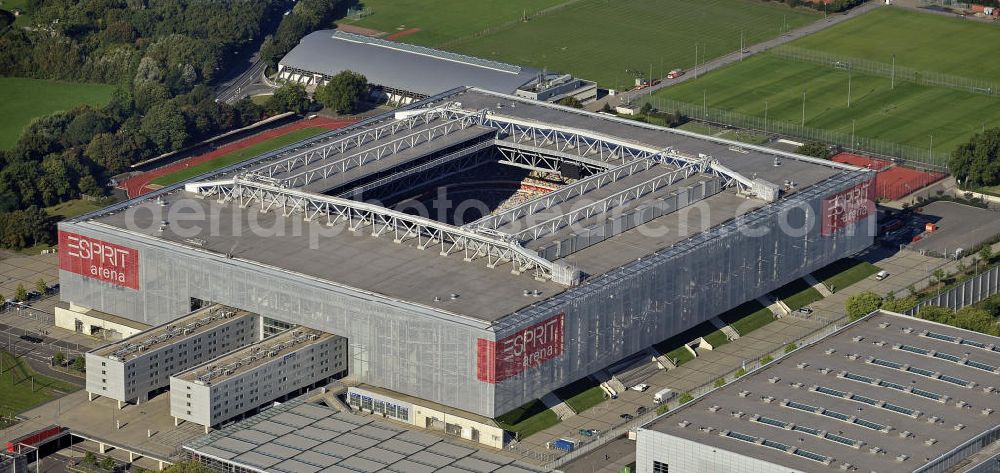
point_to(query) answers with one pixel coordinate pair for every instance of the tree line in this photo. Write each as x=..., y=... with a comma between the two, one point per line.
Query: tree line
x=162, y=56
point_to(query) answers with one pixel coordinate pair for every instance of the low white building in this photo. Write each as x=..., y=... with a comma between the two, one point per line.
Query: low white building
x=134, y=369
x=245, y=380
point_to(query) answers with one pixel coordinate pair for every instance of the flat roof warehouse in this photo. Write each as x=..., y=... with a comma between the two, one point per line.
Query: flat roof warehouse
x=888, y=393
x=474, y=291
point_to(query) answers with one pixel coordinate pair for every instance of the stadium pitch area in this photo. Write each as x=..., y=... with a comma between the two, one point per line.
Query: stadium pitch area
x=909, y=114
x=609, y=42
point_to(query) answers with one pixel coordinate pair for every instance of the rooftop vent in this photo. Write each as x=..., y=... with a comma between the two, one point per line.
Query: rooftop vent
x=830, y=351
x=802, y=366
x=767, y=399
x=959, y=426
x=773, y=380
x=682, y=424
x=883, y=324
x=744, y=393
x=987, y=411
x=902, y=457
x=453, y=296
x=858, y=338
x=713, y=409
x=908, y=330
x=930, y=441
x=905, y=434
x=933, y=419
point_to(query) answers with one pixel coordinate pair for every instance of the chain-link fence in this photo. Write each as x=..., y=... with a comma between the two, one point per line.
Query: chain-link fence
x=888, y=70
x=920, y=157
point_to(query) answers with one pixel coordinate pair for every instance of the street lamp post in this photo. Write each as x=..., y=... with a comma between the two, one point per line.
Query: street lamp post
x=803, y=108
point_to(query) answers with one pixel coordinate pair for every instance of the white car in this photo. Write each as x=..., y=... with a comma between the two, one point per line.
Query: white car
x=881, y=275
x=640, y=387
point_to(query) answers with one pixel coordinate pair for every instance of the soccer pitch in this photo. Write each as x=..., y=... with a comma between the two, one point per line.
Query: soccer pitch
x=611, y=42
x=908, y=114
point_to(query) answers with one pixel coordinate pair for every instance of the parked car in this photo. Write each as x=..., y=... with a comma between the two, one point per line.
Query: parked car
x=31, y=338
x=640, y=387
x=627, y=416
x=640, y=410
x=881, y=275
x=675, y=73
x=804, y=310
x=586, y=432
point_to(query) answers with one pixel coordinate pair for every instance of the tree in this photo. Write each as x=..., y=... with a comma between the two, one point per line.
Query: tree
x=291, y=97
x=89, y=458
x=646, y=108
x=740, y=372
x=766, y=359
x=107, y=463
x=59, y=358
x=938, y=275
x=986, y=254
x=79, y=364
x=860, y=305
x=685, y=398
x=20, y=294
x=164, y=126
x=343, y=92
x=40, y=286
x=791, y=347
x=719, y=382
x=814, y=149
x=977, y=163
x=570, y=102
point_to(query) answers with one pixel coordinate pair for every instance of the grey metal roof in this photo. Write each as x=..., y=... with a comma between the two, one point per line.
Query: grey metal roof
x=402, y=66
x=371, y=444
x=900, y=373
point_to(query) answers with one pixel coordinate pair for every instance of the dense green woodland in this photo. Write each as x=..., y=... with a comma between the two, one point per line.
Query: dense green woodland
x=163, y=56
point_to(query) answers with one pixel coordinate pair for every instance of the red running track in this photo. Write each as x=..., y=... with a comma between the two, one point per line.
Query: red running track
x=892, y=181
x=138, y=185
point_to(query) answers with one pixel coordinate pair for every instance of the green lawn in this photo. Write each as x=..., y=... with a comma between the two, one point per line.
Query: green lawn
x=798, y=294
x=679, y=355
x=920, y=41
x=610, y=42
x=75, y=207
x=441, y=21
x=747, y=317
x=844, y=272
x=237, y=156
x=716, y=339
x=908, y=114
x=700, y=128
x=10, y=5
x=581, y=394
x=528, y=419
x=23, y=99
x=16, y=393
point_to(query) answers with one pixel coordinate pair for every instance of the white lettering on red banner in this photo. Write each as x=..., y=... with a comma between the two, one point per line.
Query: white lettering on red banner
x=848, y=207
x=523, y=350
x=99, y=259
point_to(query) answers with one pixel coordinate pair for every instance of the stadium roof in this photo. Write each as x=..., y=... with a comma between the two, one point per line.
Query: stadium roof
x=402, y=66
x=299, y=437
x=888, y=393
x=400, y=270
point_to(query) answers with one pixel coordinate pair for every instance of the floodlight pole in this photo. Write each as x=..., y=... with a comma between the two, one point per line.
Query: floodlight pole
x=849, y=77
x=765, y=117
x=892, y=81
x=695, y=60
x=852, y=134
x=803, y=108
x=741, y=45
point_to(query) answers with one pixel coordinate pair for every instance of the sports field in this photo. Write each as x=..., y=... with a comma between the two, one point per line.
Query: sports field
x=237, y=156
x=23, y=99
x=611, y=42
x=909, y=114
x=16, y=393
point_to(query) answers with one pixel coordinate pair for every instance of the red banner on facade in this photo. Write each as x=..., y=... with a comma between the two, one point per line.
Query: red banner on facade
x=848, y=207
x=99, y=259
x=528, y=348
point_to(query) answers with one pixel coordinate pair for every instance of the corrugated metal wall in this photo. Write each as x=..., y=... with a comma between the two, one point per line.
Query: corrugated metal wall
x=419, y=352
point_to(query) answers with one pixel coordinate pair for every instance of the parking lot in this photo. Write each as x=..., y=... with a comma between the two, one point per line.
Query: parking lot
x=959, y=226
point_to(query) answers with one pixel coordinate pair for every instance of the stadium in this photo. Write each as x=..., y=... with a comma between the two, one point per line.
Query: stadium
x=477, y=250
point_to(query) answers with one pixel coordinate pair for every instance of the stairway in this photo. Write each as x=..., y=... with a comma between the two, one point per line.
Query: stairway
x=562, y=410
x=728, y=331
x=664, y=362
x=823, y=290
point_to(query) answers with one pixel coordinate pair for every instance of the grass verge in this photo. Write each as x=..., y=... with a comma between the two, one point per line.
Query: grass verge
x=16, y=391
x=797, y=294
x=842, y=273
x=529, y=418
x=581, y=394
x=23, y=99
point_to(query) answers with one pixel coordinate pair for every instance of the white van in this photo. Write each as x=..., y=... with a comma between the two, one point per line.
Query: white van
x=881, y=275
x=664, y=395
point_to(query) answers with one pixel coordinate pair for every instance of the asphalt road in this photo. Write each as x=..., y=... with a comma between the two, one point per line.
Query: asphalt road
x=238, y=87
